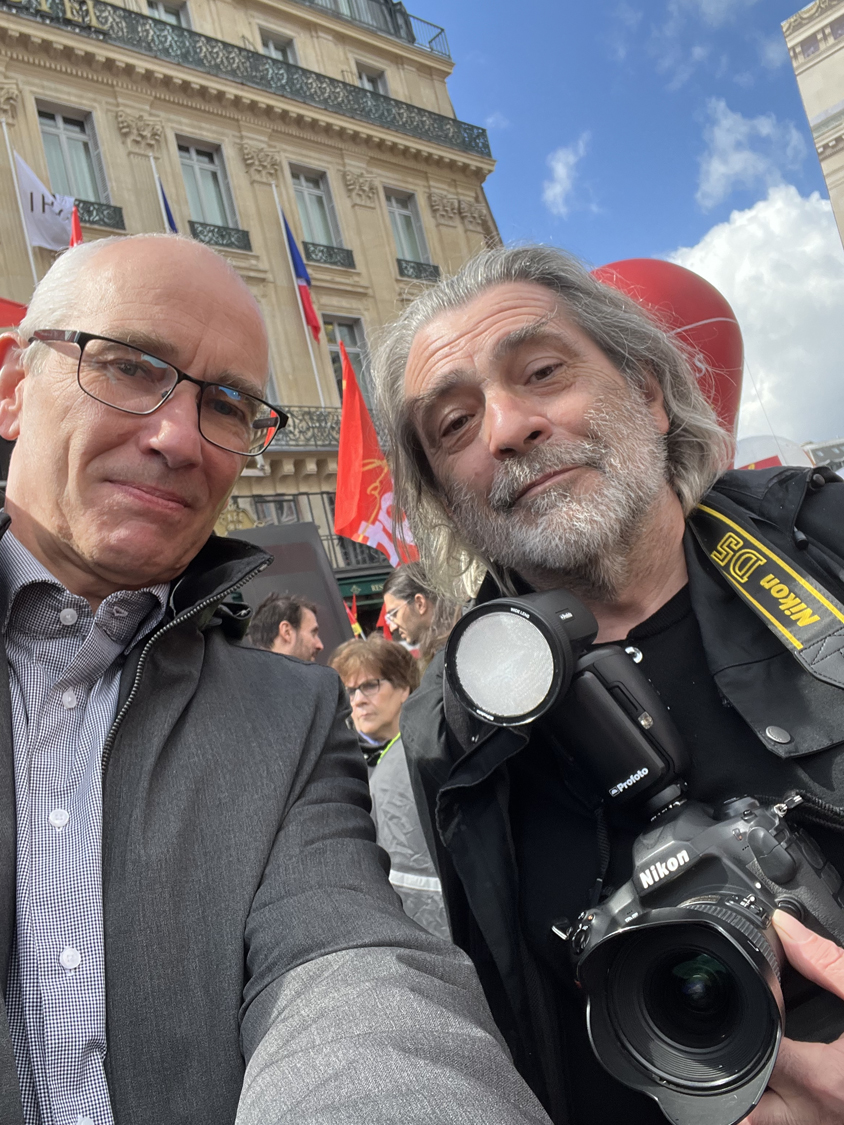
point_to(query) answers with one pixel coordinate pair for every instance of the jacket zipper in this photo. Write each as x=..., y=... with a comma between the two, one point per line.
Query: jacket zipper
x=108, y=745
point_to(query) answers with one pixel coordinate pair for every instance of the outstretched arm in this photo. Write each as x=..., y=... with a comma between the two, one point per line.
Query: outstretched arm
x=352, y=1013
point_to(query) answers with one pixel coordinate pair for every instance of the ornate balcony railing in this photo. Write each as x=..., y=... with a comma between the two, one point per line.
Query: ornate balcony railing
x=329, y=255
x=389, y=18
x=418, y=271
x=212, y=235
x=309, y=427
x=100, y=214
x=180, y=45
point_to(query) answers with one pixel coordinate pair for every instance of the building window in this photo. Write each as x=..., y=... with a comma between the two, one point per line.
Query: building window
x=206, y=184
x=370, y=79
x=837, y=27
x=350, y=330
x=73, y=157
x=407, y=227
x=810, y=47
x=278, y=47
x=316, y=209
x=177, y=14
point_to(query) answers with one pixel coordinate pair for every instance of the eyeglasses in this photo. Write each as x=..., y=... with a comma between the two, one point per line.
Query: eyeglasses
x=390, y=617
x=136, y=382
x=367, y=689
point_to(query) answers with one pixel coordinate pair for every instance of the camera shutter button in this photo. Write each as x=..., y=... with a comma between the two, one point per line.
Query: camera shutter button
x=772, y=857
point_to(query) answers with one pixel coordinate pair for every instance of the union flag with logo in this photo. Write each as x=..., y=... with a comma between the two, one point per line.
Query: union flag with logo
x=363, y=509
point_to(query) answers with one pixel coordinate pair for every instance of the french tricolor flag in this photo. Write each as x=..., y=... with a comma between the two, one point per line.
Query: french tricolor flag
x=303, y=280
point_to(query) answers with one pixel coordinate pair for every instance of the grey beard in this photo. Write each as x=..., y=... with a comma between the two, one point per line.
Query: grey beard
x=560, y=537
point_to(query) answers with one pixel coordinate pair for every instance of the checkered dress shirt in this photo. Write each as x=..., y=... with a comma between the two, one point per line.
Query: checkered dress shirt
x=64, y=679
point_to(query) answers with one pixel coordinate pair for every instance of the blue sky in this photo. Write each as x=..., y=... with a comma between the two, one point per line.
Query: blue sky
x=640, y=127
x=634, y=87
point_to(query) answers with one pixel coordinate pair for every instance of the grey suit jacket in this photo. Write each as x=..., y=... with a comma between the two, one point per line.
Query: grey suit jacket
x=247, y=914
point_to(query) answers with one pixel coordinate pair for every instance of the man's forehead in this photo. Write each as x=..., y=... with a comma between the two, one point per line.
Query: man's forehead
x=496, y=322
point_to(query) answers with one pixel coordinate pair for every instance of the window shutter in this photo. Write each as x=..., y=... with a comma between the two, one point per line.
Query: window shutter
x=96, y=157
x=332, y=211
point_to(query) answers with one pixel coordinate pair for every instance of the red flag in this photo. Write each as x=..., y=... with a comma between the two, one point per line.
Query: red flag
x=352, y=614
x=383, y=624
x=75, y=227
x=11, y=312
x=363, y=509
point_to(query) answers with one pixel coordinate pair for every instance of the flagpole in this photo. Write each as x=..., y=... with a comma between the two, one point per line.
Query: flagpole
x=20, y=204
x=158, y=193
x=298, y=298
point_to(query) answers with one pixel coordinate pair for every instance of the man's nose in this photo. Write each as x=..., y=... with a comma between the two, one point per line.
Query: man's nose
x=173, y=430
x=513, y=425
x=319, y=645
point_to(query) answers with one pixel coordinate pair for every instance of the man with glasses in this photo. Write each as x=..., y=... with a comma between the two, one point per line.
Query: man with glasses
x=194, y=921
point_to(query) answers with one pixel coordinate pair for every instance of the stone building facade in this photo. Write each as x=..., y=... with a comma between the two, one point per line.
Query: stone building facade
x=815, y=40
x=334, y=111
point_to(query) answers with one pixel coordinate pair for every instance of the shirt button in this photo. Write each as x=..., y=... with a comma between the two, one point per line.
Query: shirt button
x=69, y=699
x=59, y=818
x=70, y=957
x=68, y=617
x=85, y=1121
x=118, y=611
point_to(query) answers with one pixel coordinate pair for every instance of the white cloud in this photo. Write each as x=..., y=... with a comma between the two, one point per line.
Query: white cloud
x=556, y=192
x=715, y=13
x=780, y=264
x=773, y=52
x=748, y=152
x=497, y=121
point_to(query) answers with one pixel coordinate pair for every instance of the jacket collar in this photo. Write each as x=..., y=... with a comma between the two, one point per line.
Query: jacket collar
x=220, y=565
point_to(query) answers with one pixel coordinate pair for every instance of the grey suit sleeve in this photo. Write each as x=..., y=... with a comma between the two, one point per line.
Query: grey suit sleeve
x=352, y=1013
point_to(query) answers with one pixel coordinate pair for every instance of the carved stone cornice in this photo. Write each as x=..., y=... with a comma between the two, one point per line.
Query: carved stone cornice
x=9, y=94
x=141, y=134
x=474, y=216
x=261, y=163
x=362, y=189
x=804, y=17
x=445, y=208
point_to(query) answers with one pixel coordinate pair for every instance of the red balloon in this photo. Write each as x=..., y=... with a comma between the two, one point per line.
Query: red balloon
x=698, y=315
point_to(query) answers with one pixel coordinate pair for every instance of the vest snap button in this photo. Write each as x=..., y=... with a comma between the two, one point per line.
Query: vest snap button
x=777, y=734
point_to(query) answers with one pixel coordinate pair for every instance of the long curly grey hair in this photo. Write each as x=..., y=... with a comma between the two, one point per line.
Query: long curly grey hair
x=698, y=448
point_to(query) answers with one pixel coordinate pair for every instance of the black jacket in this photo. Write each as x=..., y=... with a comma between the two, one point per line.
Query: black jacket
x=458, y=765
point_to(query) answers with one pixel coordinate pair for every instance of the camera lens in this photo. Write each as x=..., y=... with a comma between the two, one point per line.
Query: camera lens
x=690, y=1006
x=692, y=997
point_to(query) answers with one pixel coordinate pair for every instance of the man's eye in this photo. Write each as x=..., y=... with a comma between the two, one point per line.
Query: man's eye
x=454, y=425
x=545, y=372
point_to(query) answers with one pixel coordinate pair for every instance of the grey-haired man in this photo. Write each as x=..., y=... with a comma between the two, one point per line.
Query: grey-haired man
x=545, y=429
x=195, y=923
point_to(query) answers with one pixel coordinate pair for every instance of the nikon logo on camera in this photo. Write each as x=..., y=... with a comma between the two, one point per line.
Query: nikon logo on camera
x=631, y=780
x=663, y=868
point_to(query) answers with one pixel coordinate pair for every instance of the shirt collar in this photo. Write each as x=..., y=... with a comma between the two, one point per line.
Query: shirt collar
x=132, y=612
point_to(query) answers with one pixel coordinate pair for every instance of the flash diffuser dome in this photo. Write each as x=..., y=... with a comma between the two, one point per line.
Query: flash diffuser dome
x=505, y=665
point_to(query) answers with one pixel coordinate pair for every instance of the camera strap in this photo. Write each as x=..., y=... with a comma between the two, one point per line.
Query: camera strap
x=796, y=608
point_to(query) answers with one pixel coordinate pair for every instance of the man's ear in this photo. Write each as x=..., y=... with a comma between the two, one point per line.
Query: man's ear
x=420, y=603
x=11, y=385
x=286, y=631
x=655, y=402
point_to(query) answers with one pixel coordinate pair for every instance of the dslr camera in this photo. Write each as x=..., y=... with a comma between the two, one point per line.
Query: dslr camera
x=687, y=987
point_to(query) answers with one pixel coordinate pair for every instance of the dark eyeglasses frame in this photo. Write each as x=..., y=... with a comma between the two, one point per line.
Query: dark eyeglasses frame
x=82, y=339
x=366, y=683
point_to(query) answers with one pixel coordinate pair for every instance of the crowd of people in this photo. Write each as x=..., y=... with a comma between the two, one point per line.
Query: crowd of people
x=237, y=885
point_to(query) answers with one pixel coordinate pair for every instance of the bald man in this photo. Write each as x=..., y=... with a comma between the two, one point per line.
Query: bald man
x=195, y=922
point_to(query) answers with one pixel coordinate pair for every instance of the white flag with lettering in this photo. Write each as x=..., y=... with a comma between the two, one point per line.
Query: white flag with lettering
x=47, y=216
